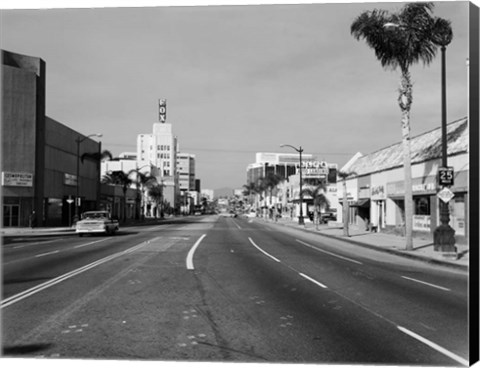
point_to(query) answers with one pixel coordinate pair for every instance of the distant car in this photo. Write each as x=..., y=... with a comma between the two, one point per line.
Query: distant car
x=251, y=214
x=96, y=222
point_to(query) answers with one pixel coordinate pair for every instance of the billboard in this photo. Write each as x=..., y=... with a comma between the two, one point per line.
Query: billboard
x=162, y=110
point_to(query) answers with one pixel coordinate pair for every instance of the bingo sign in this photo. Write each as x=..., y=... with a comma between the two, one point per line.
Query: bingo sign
x=162, y=110
x=314, y=170
x=17, y=179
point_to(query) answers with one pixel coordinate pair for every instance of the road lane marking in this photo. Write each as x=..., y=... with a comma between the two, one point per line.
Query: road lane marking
x=426, y=283
x=237, y=225
x=47, y=254
x=192, y=251
x=89, y=243
x=36, y=289
x=435, y=346
x=330, y=253
x=313, y=280
x=261, y=250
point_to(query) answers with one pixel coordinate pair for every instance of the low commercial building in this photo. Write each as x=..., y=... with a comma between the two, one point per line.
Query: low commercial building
x=39, y=155
x=376, y=186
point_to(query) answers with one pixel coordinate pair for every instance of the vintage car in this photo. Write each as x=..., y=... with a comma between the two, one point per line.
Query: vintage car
x=96, y=222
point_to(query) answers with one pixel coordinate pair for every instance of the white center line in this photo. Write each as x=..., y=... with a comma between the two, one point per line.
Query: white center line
x=313, y=280
x=261, y=250
x=435, y=346
x=46, y=254
x=426, y=283
x=329, y=253
x=192, y=251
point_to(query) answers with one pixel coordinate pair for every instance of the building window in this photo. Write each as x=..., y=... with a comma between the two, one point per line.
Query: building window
x=422, y=205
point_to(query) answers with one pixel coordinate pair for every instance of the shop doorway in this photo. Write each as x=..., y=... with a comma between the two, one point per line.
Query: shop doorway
x=11, y=215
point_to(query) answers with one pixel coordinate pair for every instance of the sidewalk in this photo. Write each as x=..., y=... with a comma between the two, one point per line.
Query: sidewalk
x=423, y=249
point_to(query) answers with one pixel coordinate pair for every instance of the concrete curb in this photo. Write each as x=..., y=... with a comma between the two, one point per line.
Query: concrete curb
x=380, y=249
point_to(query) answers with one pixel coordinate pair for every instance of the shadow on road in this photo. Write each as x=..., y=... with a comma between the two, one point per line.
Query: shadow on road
x=24, y=349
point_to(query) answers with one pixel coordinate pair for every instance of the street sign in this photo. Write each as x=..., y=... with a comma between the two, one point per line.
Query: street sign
x=445, y=195
x=445, y=176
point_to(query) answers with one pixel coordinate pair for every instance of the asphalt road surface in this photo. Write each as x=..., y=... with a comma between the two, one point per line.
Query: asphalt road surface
x=209, y=288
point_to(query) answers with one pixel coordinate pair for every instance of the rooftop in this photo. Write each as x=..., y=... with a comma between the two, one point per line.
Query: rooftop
x=424, y=147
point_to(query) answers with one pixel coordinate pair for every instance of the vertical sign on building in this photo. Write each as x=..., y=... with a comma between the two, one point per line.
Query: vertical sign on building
x=162, y=110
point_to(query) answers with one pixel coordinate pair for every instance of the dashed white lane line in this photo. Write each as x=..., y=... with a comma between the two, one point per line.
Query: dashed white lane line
x=261, y=250
x=237, y=225
x=47, y=254
x=313, y=280
x=426, y=283
x=192, y=251
x=36, y=289
x=89, y=243
x=435, y=346
x=329, y=253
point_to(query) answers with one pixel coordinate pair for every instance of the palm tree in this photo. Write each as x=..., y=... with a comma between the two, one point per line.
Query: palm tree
x=97, y=156
x=156, y=193
x=122, y=179
x=413, y=41
x=320, y=200
x=344, y=175
x=248, y=190
x=144, y=180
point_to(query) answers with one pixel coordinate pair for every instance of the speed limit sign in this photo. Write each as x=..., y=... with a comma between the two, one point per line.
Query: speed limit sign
x=445, y=176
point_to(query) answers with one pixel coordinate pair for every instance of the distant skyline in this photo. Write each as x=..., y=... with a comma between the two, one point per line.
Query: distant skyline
x=237, y=79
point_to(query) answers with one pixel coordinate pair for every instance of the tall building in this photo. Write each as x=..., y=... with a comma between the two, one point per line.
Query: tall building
x=186, y=171
x=159, y=149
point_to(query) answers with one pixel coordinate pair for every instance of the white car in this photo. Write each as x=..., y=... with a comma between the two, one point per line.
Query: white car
x=95, y=222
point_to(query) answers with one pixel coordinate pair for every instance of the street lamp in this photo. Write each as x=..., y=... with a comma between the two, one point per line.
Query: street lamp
x=444, y=235
x=299, y=150
x=77, y=199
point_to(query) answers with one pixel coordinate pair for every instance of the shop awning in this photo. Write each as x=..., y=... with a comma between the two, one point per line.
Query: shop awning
x=365, y=202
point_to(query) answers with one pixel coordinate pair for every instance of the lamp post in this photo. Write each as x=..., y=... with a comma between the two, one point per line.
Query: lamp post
x=79, y=140
x=299, y=150
x=444, y=235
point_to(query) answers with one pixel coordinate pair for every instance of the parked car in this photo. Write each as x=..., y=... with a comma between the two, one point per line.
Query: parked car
x=96, y=222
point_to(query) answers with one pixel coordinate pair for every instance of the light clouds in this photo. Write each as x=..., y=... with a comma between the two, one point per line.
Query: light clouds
x=237, y=79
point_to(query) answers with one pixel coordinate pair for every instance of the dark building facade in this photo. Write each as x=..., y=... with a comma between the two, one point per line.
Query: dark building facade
x=39, y=155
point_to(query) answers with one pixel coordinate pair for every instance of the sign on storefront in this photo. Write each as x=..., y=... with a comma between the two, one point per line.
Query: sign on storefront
x=421, y=223
x=378, y=192
x=17, y=179
x=69, y=179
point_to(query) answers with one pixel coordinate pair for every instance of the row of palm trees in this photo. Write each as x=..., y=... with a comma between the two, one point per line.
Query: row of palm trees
x=267, y=185
x=145, y=183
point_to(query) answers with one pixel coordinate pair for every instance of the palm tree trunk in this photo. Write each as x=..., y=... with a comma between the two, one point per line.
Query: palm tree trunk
x=405, y=101
x=345, y=208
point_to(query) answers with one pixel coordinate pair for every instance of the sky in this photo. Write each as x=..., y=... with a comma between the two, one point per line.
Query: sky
x=238, y=79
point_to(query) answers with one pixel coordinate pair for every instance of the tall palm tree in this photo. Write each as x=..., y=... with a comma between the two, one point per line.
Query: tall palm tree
x=320, y=200
x=271, y=182
x=345, y=210
x=248, y=190
x=156, y=193
x=143, y=181
x=123, y=179
x=412, y=41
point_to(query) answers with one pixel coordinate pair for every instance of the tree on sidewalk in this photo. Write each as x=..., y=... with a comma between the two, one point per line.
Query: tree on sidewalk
x=320, y=200
x=399, y=41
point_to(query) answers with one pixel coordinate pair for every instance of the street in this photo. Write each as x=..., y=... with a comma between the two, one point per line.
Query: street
x=212, y=288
